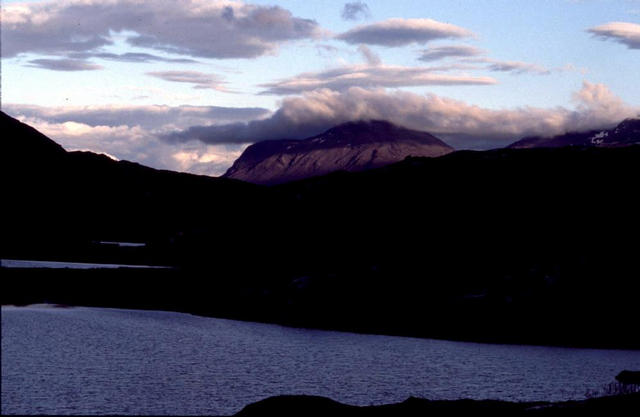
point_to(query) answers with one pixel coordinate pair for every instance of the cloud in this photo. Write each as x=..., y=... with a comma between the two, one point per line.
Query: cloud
x=471, y=54
x=461, y=124
x=516, y=67
x=132, y=132
x=355, y=10
x=513, y=67
x=197, y=28
x=133, y=57
x=149, y=117
x=325, y=50
x=400, y=32
x=198, y=79
x=369, y=76
x=623, y=32
x=573, y=68
x=63, y=64
x=133, y=143
x=439, y=52
x=206, y=140
x=371, y=57
x=597, y=101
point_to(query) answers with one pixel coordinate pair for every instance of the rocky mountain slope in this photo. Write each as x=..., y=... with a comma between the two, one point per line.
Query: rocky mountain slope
x=625, y=134
x=353, y=146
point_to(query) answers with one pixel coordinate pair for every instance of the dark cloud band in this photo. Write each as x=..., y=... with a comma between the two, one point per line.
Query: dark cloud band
x=198, y=28
x=64, y=64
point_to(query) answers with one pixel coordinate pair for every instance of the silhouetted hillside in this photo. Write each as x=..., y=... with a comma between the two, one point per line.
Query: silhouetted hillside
x=511, y=245
x=56, y=202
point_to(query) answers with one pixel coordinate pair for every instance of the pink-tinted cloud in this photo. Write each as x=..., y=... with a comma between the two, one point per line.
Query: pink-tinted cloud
x=461, y=124
x=401, y=32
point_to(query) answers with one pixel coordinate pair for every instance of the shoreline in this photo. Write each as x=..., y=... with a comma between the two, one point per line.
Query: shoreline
x=301, y=405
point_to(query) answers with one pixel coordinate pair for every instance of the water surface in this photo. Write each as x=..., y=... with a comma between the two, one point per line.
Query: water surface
x=109, y=361
x=23, y=263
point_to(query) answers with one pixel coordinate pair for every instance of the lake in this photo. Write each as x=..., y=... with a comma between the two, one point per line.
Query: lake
x=108, y=361
x=22, y=263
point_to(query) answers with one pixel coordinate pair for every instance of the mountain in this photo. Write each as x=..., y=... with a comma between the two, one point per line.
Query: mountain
x=624, y=134
x=353, y=146
x=509, y=245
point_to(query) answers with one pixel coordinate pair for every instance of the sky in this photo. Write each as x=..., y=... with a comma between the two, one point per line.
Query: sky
x=187, y=85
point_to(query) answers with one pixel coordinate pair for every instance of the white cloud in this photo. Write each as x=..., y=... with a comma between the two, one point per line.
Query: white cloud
x=401, y=32
x=623, y=32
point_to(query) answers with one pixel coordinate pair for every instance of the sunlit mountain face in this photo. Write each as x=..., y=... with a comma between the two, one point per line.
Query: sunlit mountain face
x=353, y=146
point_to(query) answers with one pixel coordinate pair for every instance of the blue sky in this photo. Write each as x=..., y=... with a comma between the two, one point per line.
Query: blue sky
x=208, y=77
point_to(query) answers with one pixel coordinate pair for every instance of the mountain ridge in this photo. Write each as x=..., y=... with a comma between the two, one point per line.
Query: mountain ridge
x=624, y=133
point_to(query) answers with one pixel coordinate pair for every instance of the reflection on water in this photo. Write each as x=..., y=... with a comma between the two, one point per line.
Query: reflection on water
x=90, y=360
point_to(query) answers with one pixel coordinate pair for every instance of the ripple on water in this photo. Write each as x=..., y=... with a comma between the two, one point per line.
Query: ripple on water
x=108, y=361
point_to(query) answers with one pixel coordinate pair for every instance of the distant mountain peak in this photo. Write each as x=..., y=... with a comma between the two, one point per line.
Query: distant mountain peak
x=626, y=133
x=350, y=146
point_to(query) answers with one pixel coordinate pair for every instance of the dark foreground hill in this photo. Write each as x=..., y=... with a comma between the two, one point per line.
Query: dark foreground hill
x=55, y=202
x=514, y=245
x=353, y=146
